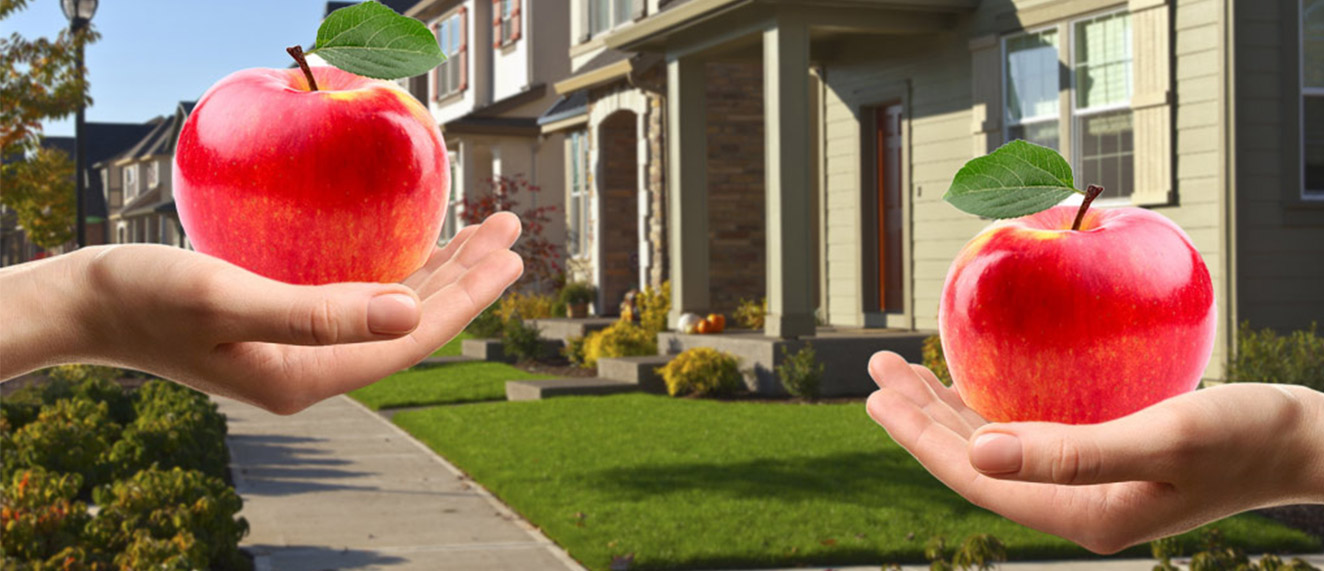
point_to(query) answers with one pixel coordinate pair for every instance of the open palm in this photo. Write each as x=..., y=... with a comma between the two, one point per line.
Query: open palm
x=1166, y=469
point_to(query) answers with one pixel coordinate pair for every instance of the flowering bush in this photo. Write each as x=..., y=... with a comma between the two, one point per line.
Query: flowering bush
x=621, y=339
x=702, y=371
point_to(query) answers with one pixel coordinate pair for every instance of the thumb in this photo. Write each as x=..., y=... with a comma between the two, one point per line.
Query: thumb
x=329, y=314
x=1069, y=454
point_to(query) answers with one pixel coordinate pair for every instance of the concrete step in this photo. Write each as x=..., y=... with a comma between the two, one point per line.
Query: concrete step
x=638, y=370
x=538, y=390
x=493, y=350
x=444, y=360
x=562, y=328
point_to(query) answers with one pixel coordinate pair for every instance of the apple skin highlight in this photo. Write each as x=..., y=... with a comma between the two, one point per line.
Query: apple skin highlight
x=1043, y=323
x=347, y=183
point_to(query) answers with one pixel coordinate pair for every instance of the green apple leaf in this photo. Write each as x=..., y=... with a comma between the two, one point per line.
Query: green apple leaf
x=371, y=40
x=1018, y=179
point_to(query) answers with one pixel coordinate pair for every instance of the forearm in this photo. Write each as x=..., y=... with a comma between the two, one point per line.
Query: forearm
x=41, y=306
x=1312, y=443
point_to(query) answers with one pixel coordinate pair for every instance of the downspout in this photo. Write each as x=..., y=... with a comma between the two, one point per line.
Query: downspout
x=1230, y=275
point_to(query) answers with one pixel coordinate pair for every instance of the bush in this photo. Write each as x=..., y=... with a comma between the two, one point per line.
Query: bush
x=531, y=306
x=979, y=551
x=522, y=341
x=160, y=516
x=703, y=371
x=39, y=516
x=622, y=339
x=801, y=373
x=1265, y=357
x=749, y=314
x=71, y=437
x=488, y=324
x=574, y=350
x=577, y=292
x=655, y=307
x=935, y=361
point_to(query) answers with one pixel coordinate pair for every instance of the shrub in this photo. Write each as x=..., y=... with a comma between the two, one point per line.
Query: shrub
x=527, y=306
x=181, y=515
x=655, y=307
x=801, y=373
x=622, y=339
x=522, y=341
x=979, y=551
x=577, y=292
x=1265, y=357
x=39, y=516
x=1214, y=556
x=574, y=350
x=542, y=256
x=70, y=436
x=487, y=325
x=935, y=361
x=703, y=371
x=749, y=314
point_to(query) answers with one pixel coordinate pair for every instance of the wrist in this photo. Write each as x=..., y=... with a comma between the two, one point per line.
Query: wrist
x=44, y=312
x=1312, y=439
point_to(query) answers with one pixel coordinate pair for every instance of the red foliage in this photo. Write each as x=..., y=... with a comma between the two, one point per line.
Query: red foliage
x=542, y=265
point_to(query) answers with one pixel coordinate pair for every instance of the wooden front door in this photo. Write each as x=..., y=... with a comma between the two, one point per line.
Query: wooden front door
x=887, y=145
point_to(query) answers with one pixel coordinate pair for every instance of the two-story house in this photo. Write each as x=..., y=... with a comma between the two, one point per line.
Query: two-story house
x=855, y=116
x=137, y=185
x=503, y=57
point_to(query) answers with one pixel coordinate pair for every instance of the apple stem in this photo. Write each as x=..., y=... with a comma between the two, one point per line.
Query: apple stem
x=296, y=52
x=1091, y=192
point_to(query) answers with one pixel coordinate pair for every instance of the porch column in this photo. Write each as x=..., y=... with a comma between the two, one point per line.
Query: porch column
x=789, y=166
x=687, y=186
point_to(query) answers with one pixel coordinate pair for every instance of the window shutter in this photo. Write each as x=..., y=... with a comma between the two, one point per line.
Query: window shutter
x=433, y=87
x=1151, y=102
x=462, y=54
x=515, y=27
x=986, y=96
x=497, y=40
x=639, y=8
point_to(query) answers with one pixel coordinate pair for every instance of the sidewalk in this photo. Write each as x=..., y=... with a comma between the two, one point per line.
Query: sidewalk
x=338, y=487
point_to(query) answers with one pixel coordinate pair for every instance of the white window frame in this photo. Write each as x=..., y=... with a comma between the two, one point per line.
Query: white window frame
x=614, y=17
x=507, y=28
x=1307, y=194
x=452, y=223
x=1075, y=113
x=1066, y=116
x=579, y=157
x=154, y=174
x=453, y=21
x=130, y=176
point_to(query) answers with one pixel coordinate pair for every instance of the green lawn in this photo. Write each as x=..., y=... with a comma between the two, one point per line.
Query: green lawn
x=452, y=348
x=443, y=384
x=707, y=484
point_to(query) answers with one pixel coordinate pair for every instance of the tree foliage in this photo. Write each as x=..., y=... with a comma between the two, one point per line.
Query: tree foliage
x=541, y=256
x=39, y=80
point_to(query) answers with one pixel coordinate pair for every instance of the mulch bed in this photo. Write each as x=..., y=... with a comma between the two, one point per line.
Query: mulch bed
x=557, y=367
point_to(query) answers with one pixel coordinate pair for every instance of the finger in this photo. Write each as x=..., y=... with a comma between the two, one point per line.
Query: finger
x=498, y=232
x=1139, y=447
x=951, y=397
x=250, y=307
x=892, y=372
x=439, y=257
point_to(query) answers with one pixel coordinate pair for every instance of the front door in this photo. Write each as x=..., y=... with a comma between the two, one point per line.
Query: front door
x=888, y=180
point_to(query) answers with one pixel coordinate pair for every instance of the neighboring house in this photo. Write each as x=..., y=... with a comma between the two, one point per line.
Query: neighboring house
x=808, y=144
x=137, y=185
x=502, y=58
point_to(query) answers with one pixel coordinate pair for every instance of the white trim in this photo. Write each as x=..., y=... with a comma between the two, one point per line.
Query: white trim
x=1007, y=122
x=1306, y=194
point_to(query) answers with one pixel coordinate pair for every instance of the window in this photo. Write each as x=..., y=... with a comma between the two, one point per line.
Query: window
x=449, y=77
x=506, y=22
x=130, y=182
x=1312, y=99
x=452, y=223
x=577, y=210
x=1098, y=121
x=153, y=174
x=604, y=15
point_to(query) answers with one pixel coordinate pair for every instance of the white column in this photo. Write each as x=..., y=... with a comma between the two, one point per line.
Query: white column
x=687, y=186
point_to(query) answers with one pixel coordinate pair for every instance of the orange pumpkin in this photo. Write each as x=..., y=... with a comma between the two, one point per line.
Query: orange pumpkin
x=718, y=322
x=705, y=327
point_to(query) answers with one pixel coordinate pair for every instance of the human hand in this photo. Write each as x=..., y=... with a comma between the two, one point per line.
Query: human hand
x=224, y=330
x=1169, y=468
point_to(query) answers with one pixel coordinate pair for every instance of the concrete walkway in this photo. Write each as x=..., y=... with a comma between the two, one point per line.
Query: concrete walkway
x=338, y=487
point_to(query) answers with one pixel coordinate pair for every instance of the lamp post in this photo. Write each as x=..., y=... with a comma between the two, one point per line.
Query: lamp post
x=79, y=13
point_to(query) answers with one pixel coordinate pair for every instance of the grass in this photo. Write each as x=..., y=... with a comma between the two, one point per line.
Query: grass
x=703, y=484
x=444, y=384
x=452, y=348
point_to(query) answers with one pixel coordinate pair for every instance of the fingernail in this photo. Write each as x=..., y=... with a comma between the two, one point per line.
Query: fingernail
x=392, y=314
x=996, y=453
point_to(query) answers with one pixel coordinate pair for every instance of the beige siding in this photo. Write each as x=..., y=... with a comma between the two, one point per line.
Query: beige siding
x=1280, y=242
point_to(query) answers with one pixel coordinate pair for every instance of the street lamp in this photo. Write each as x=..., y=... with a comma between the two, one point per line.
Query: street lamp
x=79, y=13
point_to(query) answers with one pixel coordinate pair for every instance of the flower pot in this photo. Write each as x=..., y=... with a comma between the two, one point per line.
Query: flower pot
x=576, y=310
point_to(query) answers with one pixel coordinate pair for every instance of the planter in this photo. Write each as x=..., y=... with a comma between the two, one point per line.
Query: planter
x=576, y=310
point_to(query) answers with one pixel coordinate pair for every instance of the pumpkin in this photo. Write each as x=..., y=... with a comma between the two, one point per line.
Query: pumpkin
x=688, y=323
x=718, y=322
x=705, y=327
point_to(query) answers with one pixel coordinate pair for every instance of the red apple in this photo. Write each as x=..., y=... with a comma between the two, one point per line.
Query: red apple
x=346, y=183
x=1042, y=322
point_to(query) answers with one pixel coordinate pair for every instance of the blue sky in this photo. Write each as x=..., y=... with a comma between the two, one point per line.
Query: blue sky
x=155, y=53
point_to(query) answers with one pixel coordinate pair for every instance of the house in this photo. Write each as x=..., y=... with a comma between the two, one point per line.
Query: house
x=800, y=150
x=502, y=58
x=137, y=185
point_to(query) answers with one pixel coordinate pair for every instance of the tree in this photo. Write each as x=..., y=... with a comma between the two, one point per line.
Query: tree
x=39, y=80
x=541, y=257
